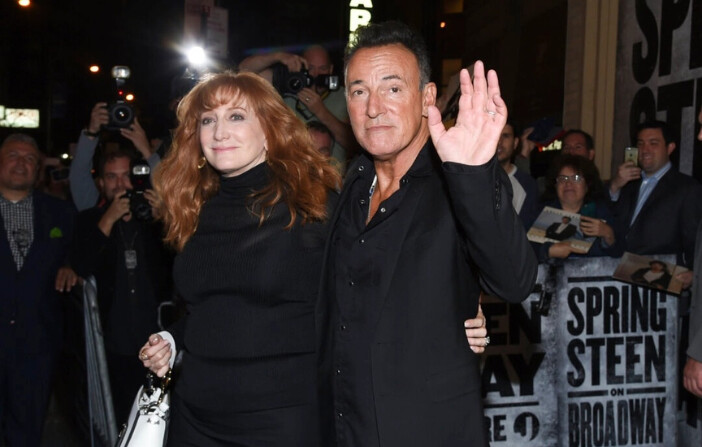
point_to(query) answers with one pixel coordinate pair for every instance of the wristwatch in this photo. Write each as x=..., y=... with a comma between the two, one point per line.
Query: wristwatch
x=88, y=133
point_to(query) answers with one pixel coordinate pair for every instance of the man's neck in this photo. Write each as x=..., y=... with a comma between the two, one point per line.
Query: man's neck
x=15, y=195
x=390, y=171
x=507, y=166
x=653, y=173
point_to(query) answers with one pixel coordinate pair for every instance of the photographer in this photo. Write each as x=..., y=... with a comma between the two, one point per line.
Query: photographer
x=316, y=102
x=121, y=246
x=83, y=190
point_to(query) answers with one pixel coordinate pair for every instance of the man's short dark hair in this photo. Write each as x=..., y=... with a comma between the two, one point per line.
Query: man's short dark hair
x=21, y=138
x=390, y=33
x=589, y=142
x=109, y=154
x=320, y=127
x=511, y=123
x=656, y=124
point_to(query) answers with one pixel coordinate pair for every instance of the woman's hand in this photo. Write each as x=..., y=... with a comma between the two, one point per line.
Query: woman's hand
x=591, y=226
x=476, y=332
x=561, y=250
x=156, y=355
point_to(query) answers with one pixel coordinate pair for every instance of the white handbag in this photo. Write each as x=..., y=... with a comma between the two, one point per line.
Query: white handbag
x=147, y=425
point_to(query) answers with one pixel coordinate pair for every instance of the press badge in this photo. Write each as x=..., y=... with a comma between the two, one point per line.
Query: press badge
x=130, y=259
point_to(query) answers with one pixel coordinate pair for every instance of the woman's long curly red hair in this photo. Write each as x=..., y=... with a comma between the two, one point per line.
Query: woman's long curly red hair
x=300, y=176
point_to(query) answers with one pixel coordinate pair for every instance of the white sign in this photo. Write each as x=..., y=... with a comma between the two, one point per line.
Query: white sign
x=359, y=15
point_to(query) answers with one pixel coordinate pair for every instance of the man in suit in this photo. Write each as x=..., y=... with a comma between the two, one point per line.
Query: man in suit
x=35, y=232
x=655, y=275
x=692, y=373
x=525, y=192
x=421, y=225
x=659, y=205
x=561, y=231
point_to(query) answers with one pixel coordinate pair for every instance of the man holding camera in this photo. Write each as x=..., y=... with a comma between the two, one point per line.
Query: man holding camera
x=121, y=246
x=321, y=101
x=83, y=190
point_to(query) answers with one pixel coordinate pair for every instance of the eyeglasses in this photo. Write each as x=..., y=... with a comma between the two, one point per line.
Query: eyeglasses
x=563, y=179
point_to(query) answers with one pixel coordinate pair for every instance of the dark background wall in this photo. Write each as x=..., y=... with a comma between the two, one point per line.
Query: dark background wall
x=45, y=50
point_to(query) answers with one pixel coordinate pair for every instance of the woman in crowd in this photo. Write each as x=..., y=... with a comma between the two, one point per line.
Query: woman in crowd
x=245, y=199
x=574, y=185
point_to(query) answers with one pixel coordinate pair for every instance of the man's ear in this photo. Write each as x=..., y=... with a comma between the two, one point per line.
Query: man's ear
x=671, y=148
x=428, y=98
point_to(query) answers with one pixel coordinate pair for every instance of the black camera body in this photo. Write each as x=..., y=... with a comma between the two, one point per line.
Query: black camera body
x=296, y=81
x=139, y=176
x=121, y=115
x=289, y=83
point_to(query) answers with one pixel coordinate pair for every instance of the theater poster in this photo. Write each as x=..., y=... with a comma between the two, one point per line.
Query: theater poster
x=659, y=75
x=586, y=360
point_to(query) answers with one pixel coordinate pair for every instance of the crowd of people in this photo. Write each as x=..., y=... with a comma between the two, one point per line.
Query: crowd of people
x=329, y=247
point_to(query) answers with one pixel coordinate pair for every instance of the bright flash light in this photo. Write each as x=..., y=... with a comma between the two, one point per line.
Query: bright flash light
x=94, y=68
x=197, y=56
x=442, y=25
x=129, y=97
x=24, y=3
x=64, y=156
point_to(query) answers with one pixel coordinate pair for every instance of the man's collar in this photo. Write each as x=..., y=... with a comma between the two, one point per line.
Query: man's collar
x=27, y=197
x=421, y=166
x=658, y=174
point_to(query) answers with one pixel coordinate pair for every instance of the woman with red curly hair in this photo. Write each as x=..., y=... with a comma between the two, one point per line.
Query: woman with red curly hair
x=245, y=199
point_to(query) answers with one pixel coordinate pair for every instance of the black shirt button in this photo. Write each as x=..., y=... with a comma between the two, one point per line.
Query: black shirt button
x=362, y=201
x=352, y=282
x=404, y=181
x=382, y=210
x=340, y=414
x=362, y=241
x=343, y=327
x=338, y=372
x=361, y=168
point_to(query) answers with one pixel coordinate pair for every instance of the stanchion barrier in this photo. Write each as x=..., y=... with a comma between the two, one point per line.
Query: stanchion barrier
x=101, y=411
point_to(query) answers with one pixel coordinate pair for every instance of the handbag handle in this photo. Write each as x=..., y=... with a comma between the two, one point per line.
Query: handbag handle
x=163, y=384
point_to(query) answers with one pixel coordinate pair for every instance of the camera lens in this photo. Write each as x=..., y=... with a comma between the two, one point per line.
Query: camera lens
x=296, y=82
x=121, y=115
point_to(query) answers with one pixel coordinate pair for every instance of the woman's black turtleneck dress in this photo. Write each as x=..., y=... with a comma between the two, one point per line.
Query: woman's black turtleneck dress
x=248, y=371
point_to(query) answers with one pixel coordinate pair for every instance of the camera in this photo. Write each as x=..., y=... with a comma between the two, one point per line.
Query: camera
x=291, y=82
x=59, y=174
x=296, y=81
x=139, y=176
x=121, y=114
